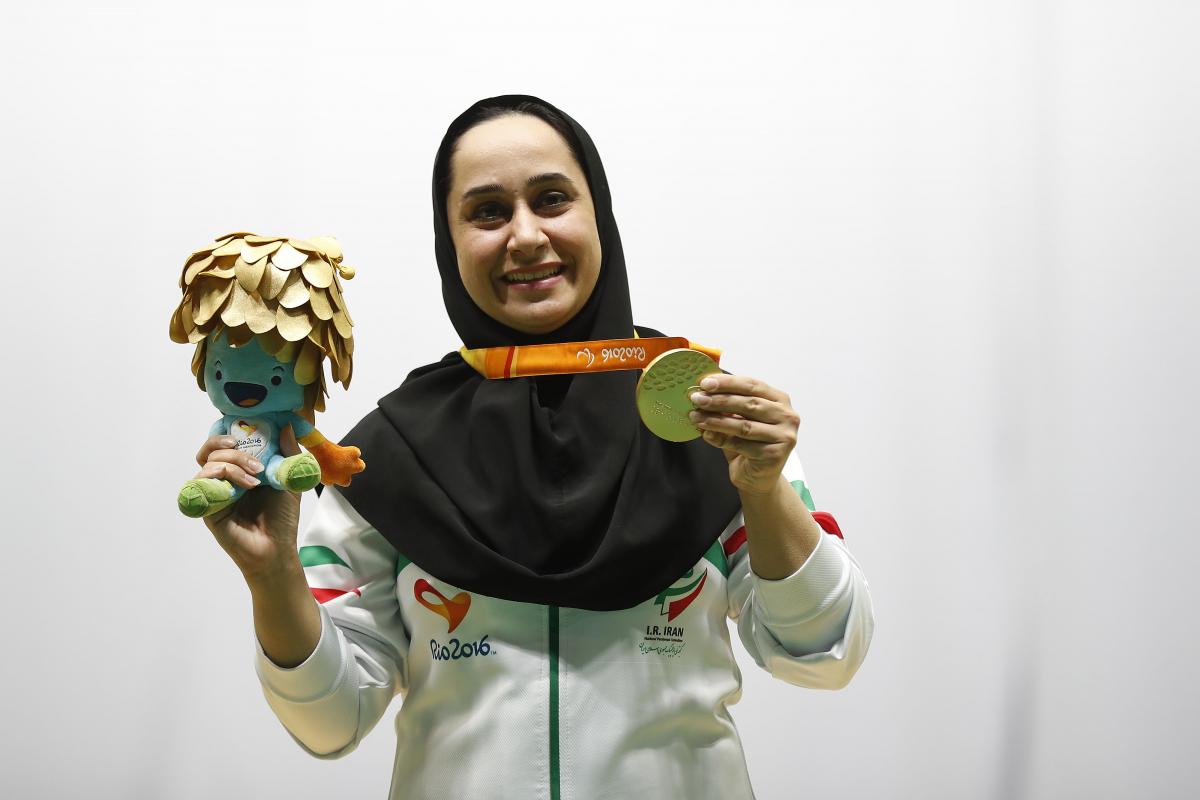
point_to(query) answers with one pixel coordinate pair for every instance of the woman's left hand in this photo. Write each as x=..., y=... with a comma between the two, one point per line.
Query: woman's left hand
x=752, y=423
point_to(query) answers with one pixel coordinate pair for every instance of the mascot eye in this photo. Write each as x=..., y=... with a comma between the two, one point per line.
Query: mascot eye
x=218, y=375
x=276, y=380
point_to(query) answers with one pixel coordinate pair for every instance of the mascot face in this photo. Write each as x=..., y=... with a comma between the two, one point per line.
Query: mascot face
x=244, y=381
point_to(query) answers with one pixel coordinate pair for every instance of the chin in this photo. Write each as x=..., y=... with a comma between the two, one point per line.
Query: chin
x=537, y=323
x=539, y=326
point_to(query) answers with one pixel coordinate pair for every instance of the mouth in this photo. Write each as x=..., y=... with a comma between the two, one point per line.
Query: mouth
x=533, y=277
x=245, y=394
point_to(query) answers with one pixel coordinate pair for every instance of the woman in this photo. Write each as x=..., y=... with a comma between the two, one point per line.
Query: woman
x=544, y=581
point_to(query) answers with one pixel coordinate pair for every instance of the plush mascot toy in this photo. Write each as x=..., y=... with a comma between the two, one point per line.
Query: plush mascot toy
x=264, y=312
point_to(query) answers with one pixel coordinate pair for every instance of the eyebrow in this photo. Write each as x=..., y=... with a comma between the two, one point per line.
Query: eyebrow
x=495, y=188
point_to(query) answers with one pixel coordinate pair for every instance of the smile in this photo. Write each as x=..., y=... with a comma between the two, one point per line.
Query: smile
x=532, y=276
x=245, y=394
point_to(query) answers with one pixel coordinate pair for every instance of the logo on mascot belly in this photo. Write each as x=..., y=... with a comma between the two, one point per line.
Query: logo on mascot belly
x=251, y=435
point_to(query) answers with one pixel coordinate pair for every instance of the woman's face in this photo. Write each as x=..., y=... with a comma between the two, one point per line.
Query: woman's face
x=523, y=224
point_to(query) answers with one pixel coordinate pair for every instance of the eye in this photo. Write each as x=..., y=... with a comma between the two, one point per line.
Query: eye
x=276, y=380
x=490, y=211
x=552, y=198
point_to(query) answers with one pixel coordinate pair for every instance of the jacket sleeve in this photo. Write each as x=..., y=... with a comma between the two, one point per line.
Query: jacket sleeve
x=333, y=699
x=813, y=627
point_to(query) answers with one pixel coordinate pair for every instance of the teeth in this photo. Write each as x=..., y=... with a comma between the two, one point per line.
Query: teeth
x=532, y=276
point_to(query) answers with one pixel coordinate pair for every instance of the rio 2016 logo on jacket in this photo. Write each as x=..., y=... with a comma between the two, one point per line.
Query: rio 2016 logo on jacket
x=454, y=611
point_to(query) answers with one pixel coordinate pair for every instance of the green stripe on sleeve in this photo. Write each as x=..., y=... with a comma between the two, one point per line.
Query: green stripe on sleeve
x=314, y=555
x=802, y=490
x=716, y=556
x=401, y=563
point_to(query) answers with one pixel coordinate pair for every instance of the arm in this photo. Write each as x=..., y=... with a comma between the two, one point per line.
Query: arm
x=336, y=694
x=803, y=612
x=754, y=425
x=338, y=463
x=781, y=532
x=300, y=426
x=219, y=428
x=812, y=627
x=287, y=624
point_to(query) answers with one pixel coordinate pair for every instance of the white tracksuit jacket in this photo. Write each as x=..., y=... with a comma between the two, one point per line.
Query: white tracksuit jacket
x=531, y=702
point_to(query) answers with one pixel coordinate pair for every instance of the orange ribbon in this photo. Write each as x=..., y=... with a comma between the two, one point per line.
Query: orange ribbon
x=563, y=358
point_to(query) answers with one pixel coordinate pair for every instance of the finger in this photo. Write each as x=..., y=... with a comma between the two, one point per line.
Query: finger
x=748, y=429
x=749, y=406
x=742, y=384
x=252, y=508
x=213, y=443
x=718, y=440
x=244, y=460
x=761, y=452
x=228, y=471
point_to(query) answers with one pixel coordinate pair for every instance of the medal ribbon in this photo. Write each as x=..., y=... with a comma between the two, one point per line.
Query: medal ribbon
x=566, y=358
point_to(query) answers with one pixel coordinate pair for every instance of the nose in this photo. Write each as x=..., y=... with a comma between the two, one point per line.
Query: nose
x=526, y=236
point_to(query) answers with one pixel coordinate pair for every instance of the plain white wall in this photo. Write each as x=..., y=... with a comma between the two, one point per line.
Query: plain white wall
x=962, y=235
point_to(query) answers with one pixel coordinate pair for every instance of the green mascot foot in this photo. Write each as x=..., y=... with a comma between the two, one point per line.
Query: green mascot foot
x=200, y=497
x=299, y=473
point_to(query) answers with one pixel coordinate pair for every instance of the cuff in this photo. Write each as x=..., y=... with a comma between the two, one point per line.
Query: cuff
x=809, y=590
x=311, y=680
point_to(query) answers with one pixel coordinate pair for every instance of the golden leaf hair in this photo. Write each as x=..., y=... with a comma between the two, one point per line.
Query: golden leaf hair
x=286, y=292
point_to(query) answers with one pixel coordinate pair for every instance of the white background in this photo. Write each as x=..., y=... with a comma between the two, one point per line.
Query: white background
x=962, y=236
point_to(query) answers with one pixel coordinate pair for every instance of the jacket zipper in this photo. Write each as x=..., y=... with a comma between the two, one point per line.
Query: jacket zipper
x=555, y=790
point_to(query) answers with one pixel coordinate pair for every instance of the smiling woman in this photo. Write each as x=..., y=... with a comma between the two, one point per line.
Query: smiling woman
x=523, y=223
x=544, y=581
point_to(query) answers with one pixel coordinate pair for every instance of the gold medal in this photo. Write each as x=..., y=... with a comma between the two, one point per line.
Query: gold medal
x=664, y=392
x=672, y=368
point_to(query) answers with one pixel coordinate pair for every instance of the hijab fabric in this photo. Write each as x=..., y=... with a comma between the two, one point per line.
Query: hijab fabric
x=544, y=490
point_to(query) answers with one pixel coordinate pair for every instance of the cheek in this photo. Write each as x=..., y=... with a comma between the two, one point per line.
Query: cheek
x=472, y=270
x=477, y=254
x=578, y=237
x=590, y=254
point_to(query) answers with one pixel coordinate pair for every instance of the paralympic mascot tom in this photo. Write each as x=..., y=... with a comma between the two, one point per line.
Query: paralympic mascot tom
x=264, y=313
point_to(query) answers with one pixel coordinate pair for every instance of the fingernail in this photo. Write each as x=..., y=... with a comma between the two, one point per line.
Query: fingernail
x=254, y=465
x=695, y=416
x=228, y=442
x=253, y=480
x=708, y=383
x=700, y=399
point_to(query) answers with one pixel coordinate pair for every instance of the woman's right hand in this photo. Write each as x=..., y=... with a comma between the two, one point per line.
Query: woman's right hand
x=259, y=530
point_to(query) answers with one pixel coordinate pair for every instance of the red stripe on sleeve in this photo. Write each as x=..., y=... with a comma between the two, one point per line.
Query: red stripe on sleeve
x=823, y=518
x=325, y=595
x=735, y=541
x=828, y=523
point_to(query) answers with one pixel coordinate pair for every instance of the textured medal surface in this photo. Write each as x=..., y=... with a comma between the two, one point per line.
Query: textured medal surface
x=664, y=392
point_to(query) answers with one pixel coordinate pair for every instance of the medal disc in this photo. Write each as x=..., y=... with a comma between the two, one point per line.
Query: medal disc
x=664, y=392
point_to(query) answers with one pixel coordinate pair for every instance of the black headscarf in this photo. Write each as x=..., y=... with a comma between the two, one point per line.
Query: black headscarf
x=541, y=490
